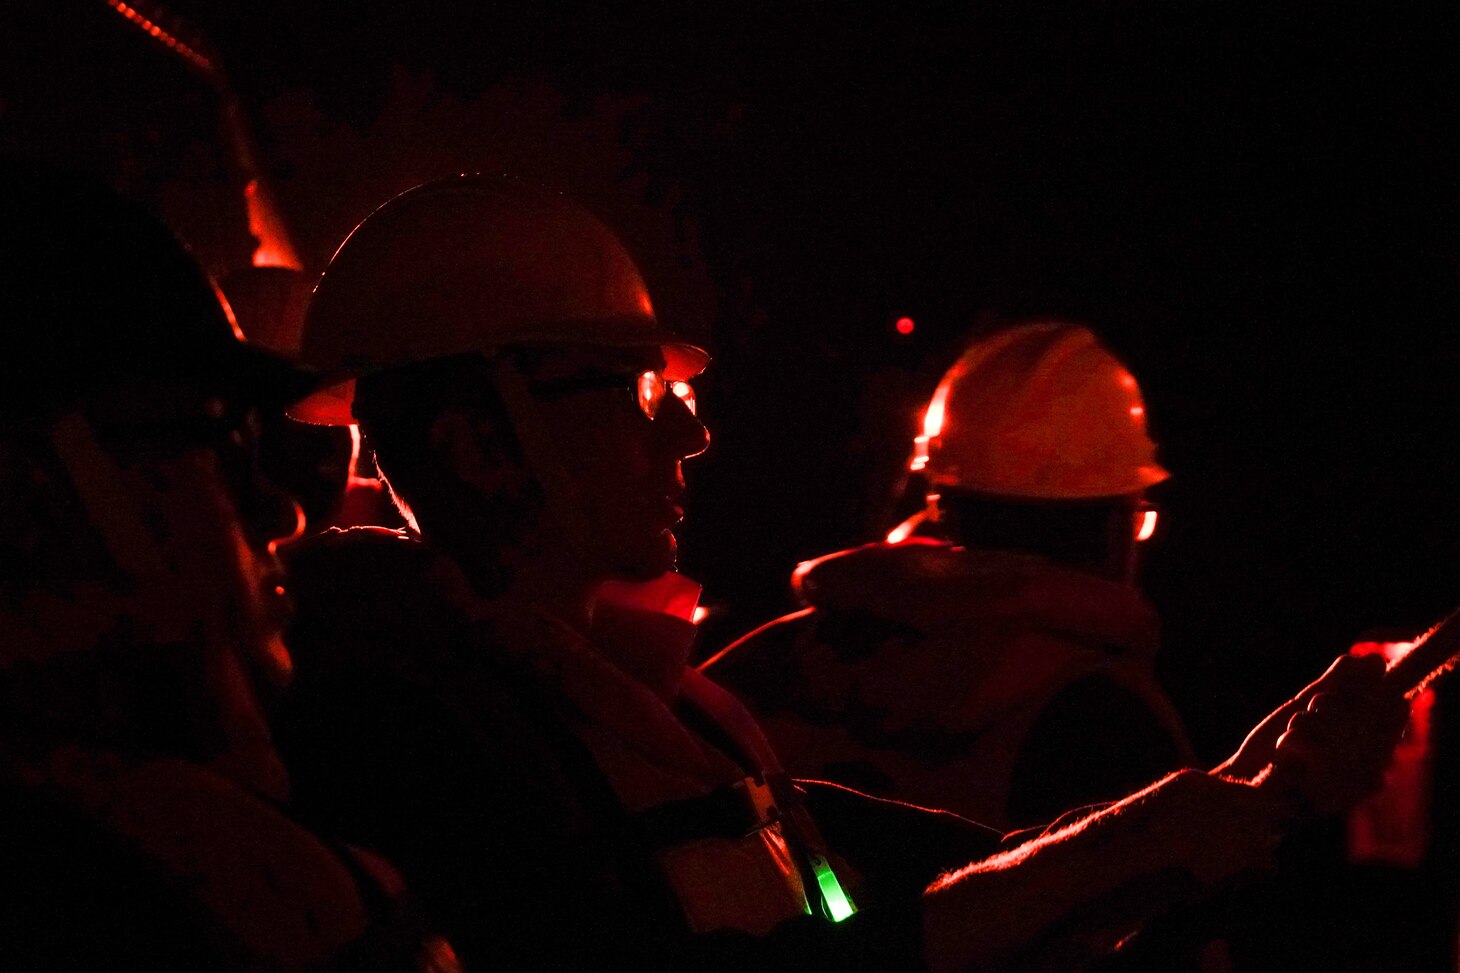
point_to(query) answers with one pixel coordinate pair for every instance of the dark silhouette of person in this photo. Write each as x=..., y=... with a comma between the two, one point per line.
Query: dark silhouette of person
x=145, y=806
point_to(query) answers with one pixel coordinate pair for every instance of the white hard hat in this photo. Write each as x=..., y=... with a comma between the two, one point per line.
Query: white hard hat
x=475, y=263
x=1039, y=411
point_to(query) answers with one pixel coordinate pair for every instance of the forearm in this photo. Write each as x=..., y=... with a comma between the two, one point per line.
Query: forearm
x=1101, y=876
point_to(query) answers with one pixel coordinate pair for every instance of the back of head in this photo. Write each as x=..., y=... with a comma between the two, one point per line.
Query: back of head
x=1035, y=439
x=1040, y=411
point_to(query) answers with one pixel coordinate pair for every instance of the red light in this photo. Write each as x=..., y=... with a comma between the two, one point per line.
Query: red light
x=905, y=325
x=136, y=17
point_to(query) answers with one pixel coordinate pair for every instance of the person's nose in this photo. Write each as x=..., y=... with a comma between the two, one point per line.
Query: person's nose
x=680, y=429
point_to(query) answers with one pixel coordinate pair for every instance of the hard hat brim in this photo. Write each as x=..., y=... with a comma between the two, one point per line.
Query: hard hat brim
x=1095, y=488
x=271, y=381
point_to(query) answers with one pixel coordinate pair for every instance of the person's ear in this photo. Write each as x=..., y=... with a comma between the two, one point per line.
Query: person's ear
x=463, y=442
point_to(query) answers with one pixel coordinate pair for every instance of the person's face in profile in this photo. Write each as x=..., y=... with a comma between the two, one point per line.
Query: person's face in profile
x=618, y=432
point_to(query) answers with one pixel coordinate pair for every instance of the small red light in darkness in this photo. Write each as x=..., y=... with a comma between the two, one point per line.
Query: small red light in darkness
x=905, y=325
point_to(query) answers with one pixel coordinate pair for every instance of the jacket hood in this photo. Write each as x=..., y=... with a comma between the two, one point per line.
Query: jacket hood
x=937, y=589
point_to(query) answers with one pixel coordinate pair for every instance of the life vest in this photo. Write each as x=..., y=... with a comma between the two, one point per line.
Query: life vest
x=698, y=780
x=665, y=772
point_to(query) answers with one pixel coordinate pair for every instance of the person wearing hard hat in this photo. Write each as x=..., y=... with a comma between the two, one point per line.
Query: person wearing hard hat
x=994, y=656
x=141, y=609
x=497, y=697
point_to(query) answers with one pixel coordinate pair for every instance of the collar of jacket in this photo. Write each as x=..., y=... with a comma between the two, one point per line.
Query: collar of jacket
x=941, y=590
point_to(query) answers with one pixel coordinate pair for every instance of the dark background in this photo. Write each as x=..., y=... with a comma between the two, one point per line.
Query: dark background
x=1254, y=203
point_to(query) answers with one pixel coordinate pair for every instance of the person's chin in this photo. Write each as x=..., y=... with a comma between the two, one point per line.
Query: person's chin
x=652, y=560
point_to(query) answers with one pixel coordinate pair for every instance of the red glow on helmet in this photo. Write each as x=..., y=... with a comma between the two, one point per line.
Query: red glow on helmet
x=937, y=410
x=932, y=427
x=274, y=249
x=1146, y=524
x=905, y=325
x=227, y=311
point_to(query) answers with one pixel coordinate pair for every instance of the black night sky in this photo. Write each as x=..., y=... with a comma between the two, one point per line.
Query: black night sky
x=1254, y=203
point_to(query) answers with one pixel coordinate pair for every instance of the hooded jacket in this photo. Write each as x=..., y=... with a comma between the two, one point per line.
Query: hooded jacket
x=990, y=683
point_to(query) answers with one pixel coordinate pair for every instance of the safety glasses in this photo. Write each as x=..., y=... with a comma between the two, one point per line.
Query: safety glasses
x=1144, y=522
x=650, y=389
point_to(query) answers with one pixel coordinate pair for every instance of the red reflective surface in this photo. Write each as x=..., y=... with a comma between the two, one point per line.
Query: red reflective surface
x=1393, y=826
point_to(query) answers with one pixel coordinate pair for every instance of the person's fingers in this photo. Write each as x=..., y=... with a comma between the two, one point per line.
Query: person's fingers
x=1300, y=724
x=1373, y=712
x=1346, y=673
x=1339, y=749
x=1352, y=673
x=1345, y=679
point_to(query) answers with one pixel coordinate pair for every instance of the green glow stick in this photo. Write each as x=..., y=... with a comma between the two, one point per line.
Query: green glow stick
x=838, y=903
